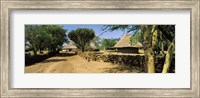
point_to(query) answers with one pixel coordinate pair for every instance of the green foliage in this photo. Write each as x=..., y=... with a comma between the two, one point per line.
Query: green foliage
x=97, y=42
x=129, y=28
x=165, y=36
x=30, y=40
x=58, y=37
x=154, y=38
x=41, y=37
x=108, y=43
x=168, y=32
x=137, y=37
x=81, y=37
x=102, y=43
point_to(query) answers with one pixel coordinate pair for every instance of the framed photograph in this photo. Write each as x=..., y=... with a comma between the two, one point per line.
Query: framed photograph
x=98, y=48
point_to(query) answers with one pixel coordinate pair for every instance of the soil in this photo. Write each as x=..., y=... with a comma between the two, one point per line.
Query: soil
x=72, y=64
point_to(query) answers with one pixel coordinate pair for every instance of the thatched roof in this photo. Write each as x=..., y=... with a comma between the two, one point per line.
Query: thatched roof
x=93, y=46
x=27, y=47
x=125, y=42
x=138, y=44
x=70, y=46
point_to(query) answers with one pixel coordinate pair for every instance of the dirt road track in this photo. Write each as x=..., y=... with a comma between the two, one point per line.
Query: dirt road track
x=69, y=64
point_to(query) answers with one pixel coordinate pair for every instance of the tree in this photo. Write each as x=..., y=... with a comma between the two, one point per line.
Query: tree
x=58, y=37
x=149, y=34
x=168, y=32
x=137, y=37
x=97, y=42
x=81, y=37
x=30, y=39
x=153, y=38
x=40, y=37
x=168, y=58
x=108, y=43
x=103, y=43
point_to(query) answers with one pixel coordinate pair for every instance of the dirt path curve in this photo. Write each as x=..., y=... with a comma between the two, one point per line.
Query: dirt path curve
x=69, y=64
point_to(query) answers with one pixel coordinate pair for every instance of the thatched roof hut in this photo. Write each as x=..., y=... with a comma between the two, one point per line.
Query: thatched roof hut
x=27, y=48
x=124, y=46
x=123, y=42
x=93, y=46
x=69, y=47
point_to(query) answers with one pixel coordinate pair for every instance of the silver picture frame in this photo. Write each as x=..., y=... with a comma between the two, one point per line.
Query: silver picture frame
x=8, y=5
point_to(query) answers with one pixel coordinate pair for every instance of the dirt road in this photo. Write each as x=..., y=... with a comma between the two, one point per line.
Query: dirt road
x=69, y=64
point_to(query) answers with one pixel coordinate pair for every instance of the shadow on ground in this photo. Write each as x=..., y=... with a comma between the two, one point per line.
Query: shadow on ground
x=125, y=69
x=53, y=60
x=65, y=54
x=30, y=60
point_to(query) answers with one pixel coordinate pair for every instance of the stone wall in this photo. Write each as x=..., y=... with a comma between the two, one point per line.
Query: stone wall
x=127, y=60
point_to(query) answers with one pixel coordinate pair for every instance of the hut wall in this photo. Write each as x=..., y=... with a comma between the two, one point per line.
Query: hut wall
x=69, y=50
x=128, y=50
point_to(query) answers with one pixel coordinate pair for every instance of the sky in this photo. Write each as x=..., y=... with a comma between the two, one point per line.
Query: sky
x=98, y=30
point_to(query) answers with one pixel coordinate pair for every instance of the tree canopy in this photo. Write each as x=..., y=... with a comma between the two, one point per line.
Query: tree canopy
x=103, y=43
x=41, y=37
x=108, y=43
x=137, y=37
x=82, y=37
x=97, y=42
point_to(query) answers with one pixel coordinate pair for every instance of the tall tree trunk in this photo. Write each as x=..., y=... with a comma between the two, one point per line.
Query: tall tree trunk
x=168, y=57
x=40, y=51
x=150, y=60
x=34, y=52
x=34, y=49
x=145, y=43
x=154, y=36
x=83, y=49
x=149, y=47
